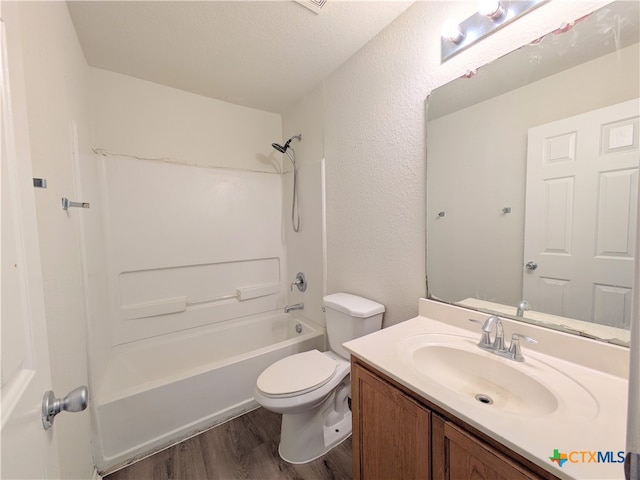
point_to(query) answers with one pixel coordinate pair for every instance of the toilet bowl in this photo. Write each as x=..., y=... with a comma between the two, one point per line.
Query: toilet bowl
x=311, y=389
x=306, y=434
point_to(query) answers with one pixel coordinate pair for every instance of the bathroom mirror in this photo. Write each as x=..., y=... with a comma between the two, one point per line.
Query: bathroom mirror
x=532, y=180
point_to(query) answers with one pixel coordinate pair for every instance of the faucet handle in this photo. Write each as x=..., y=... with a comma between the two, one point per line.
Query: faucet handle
x=514, y=348
x=300, y=282
x=518, y=336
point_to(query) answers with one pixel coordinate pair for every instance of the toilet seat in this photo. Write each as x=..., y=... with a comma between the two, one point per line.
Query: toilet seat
x=297, y=374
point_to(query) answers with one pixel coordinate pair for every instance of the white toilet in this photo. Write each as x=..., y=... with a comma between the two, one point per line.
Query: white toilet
x=311, y=389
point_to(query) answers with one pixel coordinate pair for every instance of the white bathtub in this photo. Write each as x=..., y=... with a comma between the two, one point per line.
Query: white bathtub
x=162, y=390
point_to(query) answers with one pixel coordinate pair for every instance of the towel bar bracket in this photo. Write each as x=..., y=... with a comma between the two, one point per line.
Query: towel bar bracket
x=66, y=204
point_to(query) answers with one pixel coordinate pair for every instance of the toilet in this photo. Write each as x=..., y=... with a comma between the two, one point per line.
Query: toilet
x=311, y=389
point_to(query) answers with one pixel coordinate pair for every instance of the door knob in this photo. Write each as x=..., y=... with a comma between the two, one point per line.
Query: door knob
x=531, y=265
x=75, y=401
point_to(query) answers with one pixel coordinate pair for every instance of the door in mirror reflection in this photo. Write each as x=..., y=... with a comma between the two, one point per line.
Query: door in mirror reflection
x=582, y=242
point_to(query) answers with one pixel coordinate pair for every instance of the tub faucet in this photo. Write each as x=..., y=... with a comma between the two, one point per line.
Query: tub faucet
x=297, y=306
x=522, y=306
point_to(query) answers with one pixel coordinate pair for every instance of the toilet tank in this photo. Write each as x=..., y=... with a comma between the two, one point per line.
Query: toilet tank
x=348, y=317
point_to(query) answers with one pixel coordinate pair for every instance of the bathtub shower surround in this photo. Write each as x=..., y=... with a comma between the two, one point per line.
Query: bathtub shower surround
x=197, y=285
x=190, y=246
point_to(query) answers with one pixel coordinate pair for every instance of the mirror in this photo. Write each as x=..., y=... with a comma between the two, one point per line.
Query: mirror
x=532, y=180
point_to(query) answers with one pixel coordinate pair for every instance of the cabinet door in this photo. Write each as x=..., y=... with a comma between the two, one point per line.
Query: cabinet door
x=391, y=431
x=459, y=455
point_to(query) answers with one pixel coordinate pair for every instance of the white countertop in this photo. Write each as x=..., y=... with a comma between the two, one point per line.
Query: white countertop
x=599, y=368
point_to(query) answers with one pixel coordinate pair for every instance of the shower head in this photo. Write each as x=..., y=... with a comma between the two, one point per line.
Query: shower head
x=279, y=147
x=283, y=149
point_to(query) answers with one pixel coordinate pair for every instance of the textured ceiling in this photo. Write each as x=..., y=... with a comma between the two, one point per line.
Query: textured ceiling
x=263, y=54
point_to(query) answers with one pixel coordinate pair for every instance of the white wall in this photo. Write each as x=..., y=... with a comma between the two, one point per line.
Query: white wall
x=476, y=165
x=147, y=120
x=57, y=95
x=374, y=126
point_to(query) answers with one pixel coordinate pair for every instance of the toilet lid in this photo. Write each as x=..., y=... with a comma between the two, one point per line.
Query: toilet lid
x=297, y=374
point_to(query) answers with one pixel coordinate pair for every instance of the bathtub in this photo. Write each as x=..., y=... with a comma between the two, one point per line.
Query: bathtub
x=162, y=390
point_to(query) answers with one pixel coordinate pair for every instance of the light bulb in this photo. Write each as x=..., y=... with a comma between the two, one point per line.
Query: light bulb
x=451, y=31
x=491, y=8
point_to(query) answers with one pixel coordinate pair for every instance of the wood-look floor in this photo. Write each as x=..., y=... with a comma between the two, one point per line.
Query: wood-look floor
x=243, y=448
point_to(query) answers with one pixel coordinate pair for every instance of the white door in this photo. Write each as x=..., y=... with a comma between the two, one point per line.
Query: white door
x=581, y=214
x=27, y=451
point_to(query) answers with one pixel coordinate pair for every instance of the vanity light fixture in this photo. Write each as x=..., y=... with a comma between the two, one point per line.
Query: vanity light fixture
x=491, y=15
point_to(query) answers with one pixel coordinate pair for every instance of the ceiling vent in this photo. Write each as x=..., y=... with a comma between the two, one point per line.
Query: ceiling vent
x=314, y=5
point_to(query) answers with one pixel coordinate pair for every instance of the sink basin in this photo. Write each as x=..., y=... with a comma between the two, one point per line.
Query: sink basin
x=530, y=388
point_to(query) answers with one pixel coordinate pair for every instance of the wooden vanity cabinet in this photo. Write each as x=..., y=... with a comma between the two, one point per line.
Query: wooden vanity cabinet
x=398, y=435
x=457, y=455
x=391, y=431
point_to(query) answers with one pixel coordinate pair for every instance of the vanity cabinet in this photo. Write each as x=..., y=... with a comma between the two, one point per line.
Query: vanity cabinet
x=458, y=455
x=399, y=435
x=391, y=436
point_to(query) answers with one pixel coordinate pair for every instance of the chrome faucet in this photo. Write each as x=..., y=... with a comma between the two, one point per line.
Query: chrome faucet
x=522, y=306
x=514, y=352
x=297, y=306
x=487, y=328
